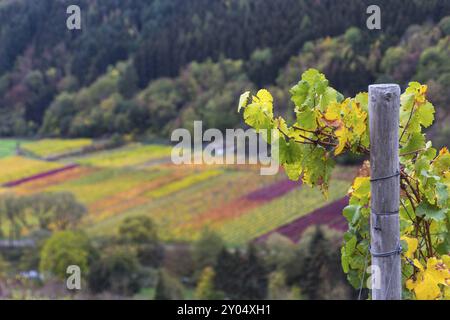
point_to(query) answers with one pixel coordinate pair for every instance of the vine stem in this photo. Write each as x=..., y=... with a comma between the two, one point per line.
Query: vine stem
x=407, y=123
x=411, y=152
x=406, y=177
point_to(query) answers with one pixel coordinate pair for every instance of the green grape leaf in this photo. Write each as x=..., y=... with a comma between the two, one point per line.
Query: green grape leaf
x=422, y=164
x=442, y=194
x=428, y=175
x=354, y=278
x=329, y=96
x=425, y=113
x=352, y=213
x=357, y=262
x=293, y=170
x=317, y=167
x=444, y=247
x=307, y=119
x=299, y=92
x=255, y=117
x=429, y=211
x=312, y=90
x=290, y=152
x=344, y=260
x=415, y=142
x=362, y=99
x=406, y=103
x=350, y=246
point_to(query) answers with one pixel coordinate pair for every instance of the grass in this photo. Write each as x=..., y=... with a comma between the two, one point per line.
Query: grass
x=16, y=167
x=149, y=294
x=131, y=155
x=7, y=147
x=54, y=147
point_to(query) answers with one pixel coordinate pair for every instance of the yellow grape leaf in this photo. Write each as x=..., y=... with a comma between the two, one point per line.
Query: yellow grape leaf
x=443, y=151
x=360, y=187
x=295, y=134
x=428, y=281
x=423, y=89
x=447, y=293
x=442, y=162
x=342, y=134
x=360, y=128
x=438, y=270
x=410, y=284
x=281, y=124
x=447, y=177
x=427, y=288
x=264, y=96
x=360, y=125
x=421, y=94
x=412, y=246
x=333, y=112
x=418, y=265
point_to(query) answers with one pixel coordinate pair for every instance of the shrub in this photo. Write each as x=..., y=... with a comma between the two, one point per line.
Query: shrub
x=63, y=249
x=353, y=36
x=168, y=287
x=445, y=25
x=138, y=230
x=278, y=251
x=207, y=249
x=205, y=288
x=279, y=290
x=141, y=234
x=117, y=271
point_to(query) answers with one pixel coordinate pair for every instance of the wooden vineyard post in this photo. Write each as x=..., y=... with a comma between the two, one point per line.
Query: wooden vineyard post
x=384, y=107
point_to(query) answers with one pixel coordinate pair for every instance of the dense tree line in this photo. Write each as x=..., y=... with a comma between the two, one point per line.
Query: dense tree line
x=47, y=72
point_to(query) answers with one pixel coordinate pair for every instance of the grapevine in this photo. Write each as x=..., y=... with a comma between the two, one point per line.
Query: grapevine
x=329, y=125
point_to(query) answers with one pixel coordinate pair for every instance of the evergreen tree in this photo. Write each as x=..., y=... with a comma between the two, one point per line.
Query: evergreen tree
x=316, y=267
x=241, y=275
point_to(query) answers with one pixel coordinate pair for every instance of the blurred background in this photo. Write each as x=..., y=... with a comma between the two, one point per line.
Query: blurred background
x=85, y=122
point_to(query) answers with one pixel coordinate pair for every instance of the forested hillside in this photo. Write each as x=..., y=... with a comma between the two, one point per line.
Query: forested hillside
x=144, y=67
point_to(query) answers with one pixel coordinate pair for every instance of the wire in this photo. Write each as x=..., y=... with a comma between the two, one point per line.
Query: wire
x=386, y=177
